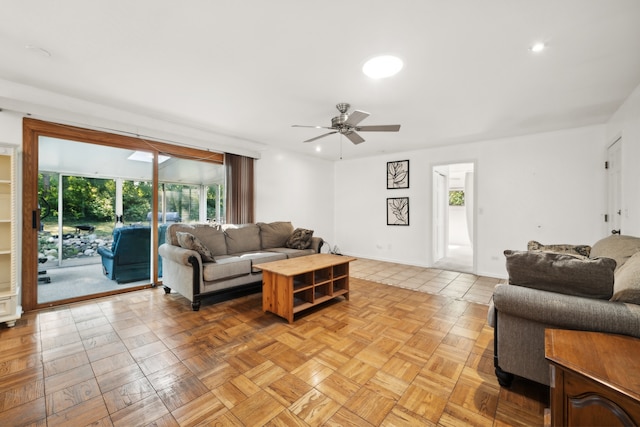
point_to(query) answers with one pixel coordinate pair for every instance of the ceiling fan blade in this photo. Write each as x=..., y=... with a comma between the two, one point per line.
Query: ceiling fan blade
x=356, y=117
x=379, y=128
x=354, y=137
x=321, y=136
x=315, y=127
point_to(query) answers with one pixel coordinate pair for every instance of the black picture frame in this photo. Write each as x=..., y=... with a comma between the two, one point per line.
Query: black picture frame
x=398, y=211
x=397, y=174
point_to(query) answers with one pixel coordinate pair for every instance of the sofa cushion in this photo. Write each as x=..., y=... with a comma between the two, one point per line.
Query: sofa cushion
x=262, y=257
x=226, y=268
x=210, y=236
x=293, y=253
x=189, y=241
x=580, y=250
x=275, y=234
x=561, y=273
x=299, y=239
x=618, y=247
x=626, y=287
x=245, y=238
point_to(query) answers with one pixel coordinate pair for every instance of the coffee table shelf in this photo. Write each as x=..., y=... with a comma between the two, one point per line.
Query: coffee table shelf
x=297, y=284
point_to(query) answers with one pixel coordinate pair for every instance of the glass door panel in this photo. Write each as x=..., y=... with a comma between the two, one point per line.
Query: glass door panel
x=93, y=237
x=190, y=191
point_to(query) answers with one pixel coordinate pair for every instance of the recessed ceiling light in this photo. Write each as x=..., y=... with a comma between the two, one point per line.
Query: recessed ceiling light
x=537, y=47
x=318, y=149
x=382, y=66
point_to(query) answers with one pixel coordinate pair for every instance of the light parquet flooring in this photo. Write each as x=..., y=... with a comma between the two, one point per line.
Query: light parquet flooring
x=389, y=356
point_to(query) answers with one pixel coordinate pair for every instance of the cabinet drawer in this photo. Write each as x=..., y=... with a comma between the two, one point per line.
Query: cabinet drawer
x=7, y=306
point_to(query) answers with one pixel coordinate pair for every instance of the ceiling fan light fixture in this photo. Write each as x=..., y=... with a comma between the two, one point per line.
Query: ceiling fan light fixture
x=382, y=66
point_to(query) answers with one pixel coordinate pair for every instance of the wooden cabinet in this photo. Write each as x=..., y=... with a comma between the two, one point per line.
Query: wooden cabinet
x=10, y=309
x=595, y=378
x=293, y=285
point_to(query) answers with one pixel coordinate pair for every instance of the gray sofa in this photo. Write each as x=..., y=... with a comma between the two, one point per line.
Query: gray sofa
x=203, y=260
x=557, y=286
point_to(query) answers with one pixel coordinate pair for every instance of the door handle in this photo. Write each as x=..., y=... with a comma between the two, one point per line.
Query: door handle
x=615, y=231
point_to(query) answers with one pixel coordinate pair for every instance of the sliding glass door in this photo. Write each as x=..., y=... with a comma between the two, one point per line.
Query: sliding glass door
x=95, y=206
x=190, y=191
x=90, y=198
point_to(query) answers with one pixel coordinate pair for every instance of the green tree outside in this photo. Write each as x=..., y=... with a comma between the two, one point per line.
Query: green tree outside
x=456, y=198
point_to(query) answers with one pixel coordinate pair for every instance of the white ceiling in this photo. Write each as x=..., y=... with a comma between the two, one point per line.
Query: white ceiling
x=253, y=68
x=100, y=161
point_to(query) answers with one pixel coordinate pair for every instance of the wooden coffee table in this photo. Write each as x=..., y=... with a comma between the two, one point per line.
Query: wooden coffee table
x=292, y=285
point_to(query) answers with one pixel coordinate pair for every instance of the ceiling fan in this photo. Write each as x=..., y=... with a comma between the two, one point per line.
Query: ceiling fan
x=347, y=124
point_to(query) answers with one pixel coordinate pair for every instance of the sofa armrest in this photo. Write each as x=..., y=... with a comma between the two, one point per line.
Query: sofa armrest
x=316, y=244
x=177, y=254
x=104, y=252
x=567, y=311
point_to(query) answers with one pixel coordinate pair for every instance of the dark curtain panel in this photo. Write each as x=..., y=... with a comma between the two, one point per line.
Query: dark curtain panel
x=239, y=198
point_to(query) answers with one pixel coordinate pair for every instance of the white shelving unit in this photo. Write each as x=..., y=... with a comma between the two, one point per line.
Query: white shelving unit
x=10, y=309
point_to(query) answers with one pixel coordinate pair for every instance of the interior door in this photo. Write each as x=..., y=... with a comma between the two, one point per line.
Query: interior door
x=614, y=177
x=439, y=215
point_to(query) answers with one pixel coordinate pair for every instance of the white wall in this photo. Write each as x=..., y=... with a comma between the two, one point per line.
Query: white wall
x=10, y=128
x=296, y=188
x=458, y=232
x=54, y=107
x=626, y=124
x=548, y=187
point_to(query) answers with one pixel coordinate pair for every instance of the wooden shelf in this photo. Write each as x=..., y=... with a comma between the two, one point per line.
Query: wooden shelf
x=10, y=309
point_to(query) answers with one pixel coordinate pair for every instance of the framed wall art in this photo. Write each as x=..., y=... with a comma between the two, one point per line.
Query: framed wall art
x=398, y=174
x=398, y=211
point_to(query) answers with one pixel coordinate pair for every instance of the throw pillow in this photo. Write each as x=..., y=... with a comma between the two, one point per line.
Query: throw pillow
x=300, y=239
x=580, y=250
x=189, y=241
x=627, y=285
x=561, y=273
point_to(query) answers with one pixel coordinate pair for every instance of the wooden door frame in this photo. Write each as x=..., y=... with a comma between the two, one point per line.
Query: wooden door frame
x=32, y=130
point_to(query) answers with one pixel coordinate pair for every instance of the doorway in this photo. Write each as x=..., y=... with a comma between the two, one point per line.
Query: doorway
x=453, y=217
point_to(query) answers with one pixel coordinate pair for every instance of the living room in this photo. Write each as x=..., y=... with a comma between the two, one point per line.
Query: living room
x=548, y=185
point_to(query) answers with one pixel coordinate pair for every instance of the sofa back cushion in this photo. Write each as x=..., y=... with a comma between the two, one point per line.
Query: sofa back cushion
x=244, y=238
x=618, y=247
x=210, y=236
x=275, y=234
x=626, y=287
x=561, y=273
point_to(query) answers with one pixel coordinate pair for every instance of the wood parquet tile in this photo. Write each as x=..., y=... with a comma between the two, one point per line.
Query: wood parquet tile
x=390, y=356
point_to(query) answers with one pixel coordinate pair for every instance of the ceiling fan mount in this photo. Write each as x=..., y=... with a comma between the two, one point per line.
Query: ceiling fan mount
x=347, y=124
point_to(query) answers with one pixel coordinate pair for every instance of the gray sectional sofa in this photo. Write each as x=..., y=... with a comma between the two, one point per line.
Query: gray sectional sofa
x=204, y=260
x=557, y=286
